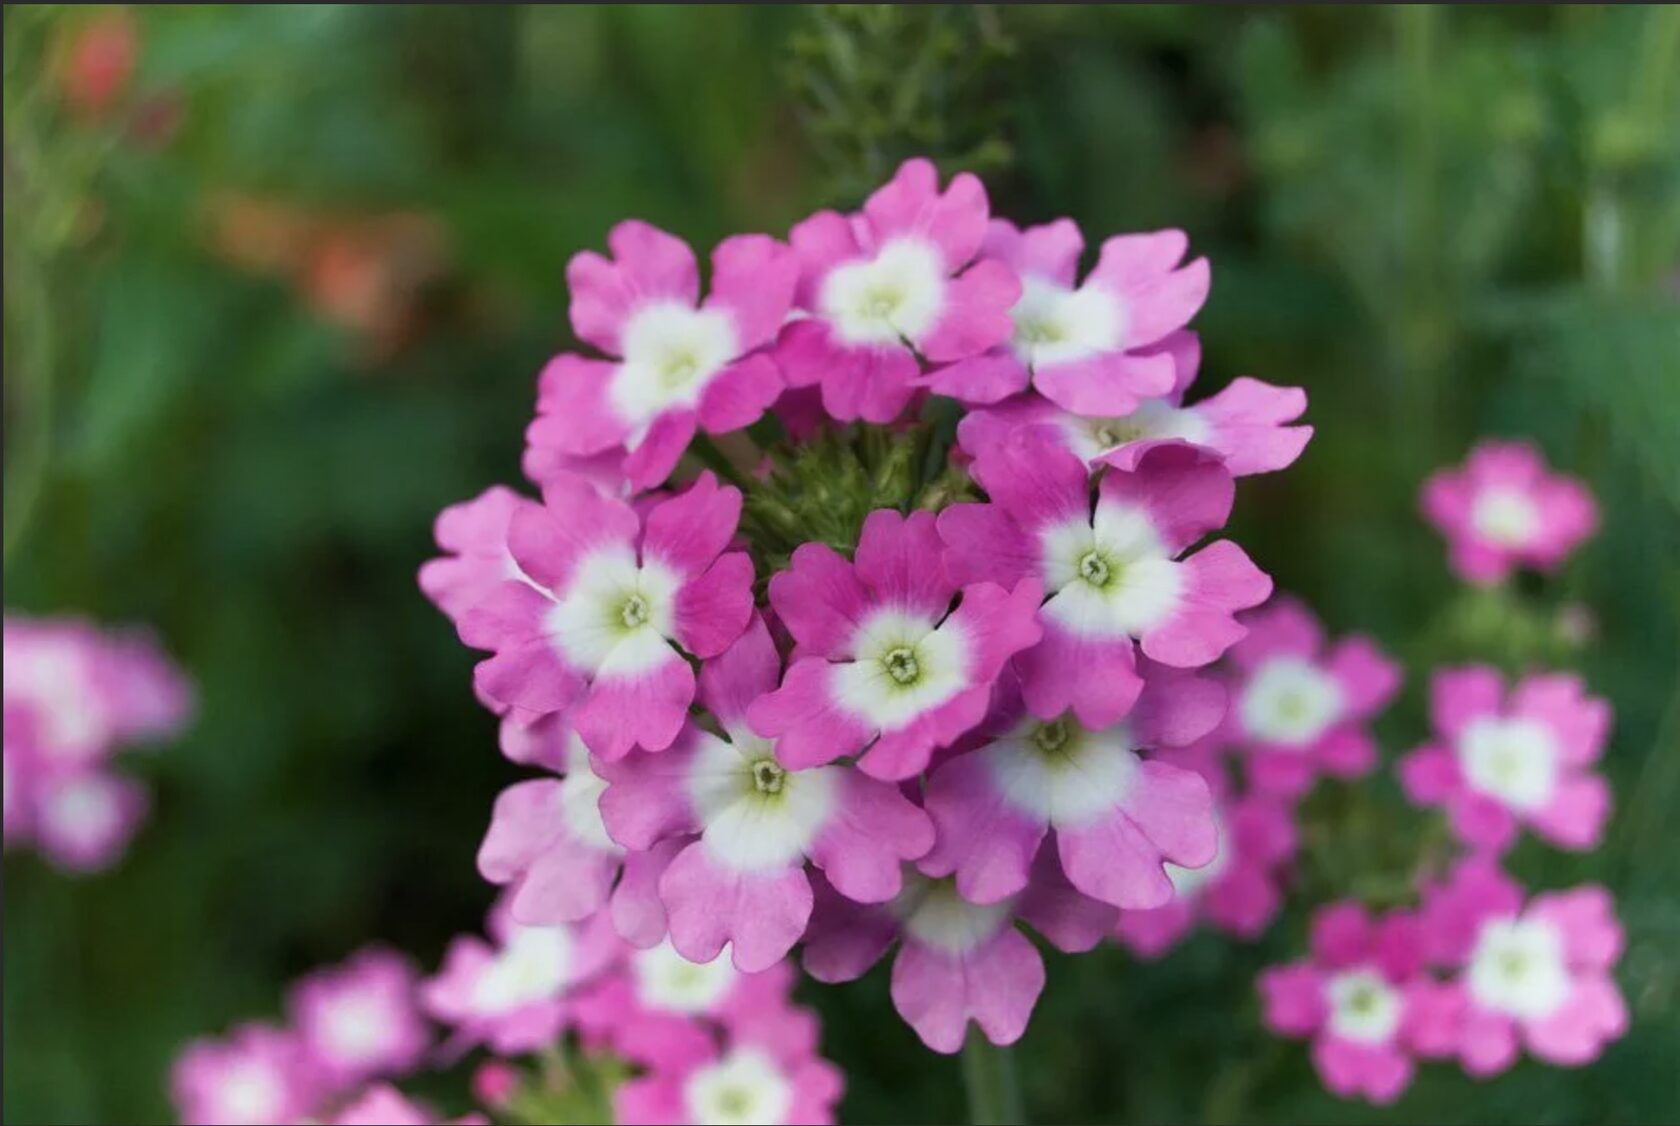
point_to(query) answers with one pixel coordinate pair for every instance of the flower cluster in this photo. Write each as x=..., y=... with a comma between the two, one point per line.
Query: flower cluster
x=75, y=696
x=808, y=657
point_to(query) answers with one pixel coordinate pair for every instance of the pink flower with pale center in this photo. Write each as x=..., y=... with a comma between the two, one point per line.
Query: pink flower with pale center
x=83, y=819
x=1500, y=763
x=1300, y=708
x=883, y=664
x=1107, y=815
x=1119, y=573
x=957, y=961
x=1082, y=345
x=758, y=821
x=1246, y=423
x=678, y=365
x=750, y=1078
x=360, y=1020
x=1240, y=892
x=1503, y=510
x=609, y=599
x=1537, y=976
x=256, y=1076
x=1356, y=999
x=891, y=286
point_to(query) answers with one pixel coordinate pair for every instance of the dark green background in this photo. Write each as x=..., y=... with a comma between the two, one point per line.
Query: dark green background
x=1445, y=224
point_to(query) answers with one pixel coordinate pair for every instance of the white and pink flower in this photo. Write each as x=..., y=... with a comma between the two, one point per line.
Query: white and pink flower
x=1502, y=763
x=360, y=1020
x=758, y=821
x=610, y=598
x=1357, y=999
x=895, y=282
x=1300, y=708
x=677, y=366
x=1120, y=575
x=756, y=1079
x=1082, y=344
x=1504, y=510
x=256, y=1076
x=883, y=665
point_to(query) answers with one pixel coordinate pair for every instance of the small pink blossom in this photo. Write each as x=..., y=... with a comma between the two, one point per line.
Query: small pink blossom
x=957, y=961
x=1500, y=763
x=610, y=597
x=758, y=822
x=677, y=366
x=1504, y=510
x=360, y=1020
x=1246, y=423
x=751, y=1078
x=890, y=286
x=883, y=665
x=256, y=1076
x=1082, y=345
x=1120, y=575
x=1299, y=708
x=1537, y=976
x=1356, y=998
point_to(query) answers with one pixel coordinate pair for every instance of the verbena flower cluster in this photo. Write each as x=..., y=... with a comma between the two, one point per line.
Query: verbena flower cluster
x=74, y=697
x=865, y=602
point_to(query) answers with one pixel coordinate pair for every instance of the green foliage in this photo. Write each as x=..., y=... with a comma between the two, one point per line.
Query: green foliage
x=1444, y=223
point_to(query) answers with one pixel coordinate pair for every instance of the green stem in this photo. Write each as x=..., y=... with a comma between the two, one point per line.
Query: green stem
x=994, y=1093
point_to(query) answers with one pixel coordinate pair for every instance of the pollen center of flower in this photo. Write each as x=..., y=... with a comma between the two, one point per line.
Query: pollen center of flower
x=678, y=370
x=1051, y=737
x=901, y=665
x=768, y=776
x=634, y=611
x=1094, y=569
x=1363, y=1007
x=882, y=302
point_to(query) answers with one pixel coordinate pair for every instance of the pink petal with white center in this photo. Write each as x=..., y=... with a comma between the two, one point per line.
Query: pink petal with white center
x=1379, y=1073
x=872, y=831
x=522, y=825
x=647, y=795
x=760, y=914
x=911, y=204
x=1292, y=999
x=575, y=415
x=531, y=739
x=1177, y=708
x=738, y=396
x=574, y=522
x=1368, y=678
x=805, y=718
x=1594, y=1015
x=1038, y=484
x=989, y=377
x=644, y=706
x=1107, y=385
x=871, y=383
x=893, y=559
x=1050, y=251
x=1072, y=922
x=983, y=543
x=1217, y=581
x=473, y=533
x=820, y=600
x=1488, y=1042
x=646, y=265
x=1246, y=422
x=1159, y=294
x=975, y=313
x=1185, y=490
x=983, y=838
x=753, y=280
x=821, y=242
x=996, y=984
x=1167, y=813
x=570, y=881
x=83, y=820
x=1093, y=676
x=690, y=530
x=904, y=752
x=1454, y=910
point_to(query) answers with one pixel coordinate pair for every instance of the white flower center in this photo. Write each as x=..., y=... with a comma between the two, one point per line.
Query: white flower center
x=904, y=666
x=1289, y=702
x=667, y=981
x=937, y=917
x=671, y=352
x=1364, y=1007
x=580, y=800
x=893, y=297
x=1505, y=516
x=743, y=1088
x=756, y=815
x=1058, y=325
x=1513, y=760
x=250, y=1092
x=357, y=1027
x=532, y=966
x=83, y=810
x=1062, y=773
x=1153, y=418
x=1518, y=968
x=616, y=615
x=1111, y=577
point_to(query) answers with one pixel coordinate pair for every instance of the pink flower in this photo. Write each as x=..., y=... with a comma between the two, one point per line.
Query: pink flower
x=473, y=536
x=256, y=1076
x=1119, y=575
x=758, y=821
x=1245, y=423
x=384, y=1105
x=1538, y=975
x=676, y=367
x=1356, y=999
x=1238, y=893
x=889, y=285
x=360, y=1021
x=758, y=1079
x=1108, y=816
x=1503, y=763
x=1080, y=345
x=18, y=782
x=83, y=819
x=60, y=673
x=1298, y=708
x=610, y=597
x=515, y=994
x=957, y=961
x=883, y=665
x=1503, y=510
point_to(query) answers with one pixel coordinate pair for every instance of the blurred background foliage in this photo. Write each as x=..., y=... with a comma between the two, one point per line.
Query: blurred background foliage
x=277, y=282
